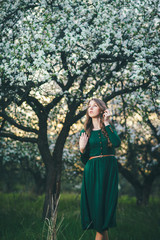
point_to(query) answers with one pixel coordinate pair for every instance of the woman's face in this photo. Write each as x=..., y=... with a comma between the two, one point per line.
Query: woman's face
x=93, y=109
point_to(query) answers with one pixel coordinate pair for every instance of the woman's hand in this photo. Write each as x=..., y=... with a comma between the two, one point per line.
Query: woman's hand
x=83, y=142
x=106, y=116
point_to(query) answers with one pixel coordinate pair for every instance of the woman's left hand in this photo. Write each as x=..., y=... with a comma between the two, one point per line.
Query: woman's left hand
x=106, y=116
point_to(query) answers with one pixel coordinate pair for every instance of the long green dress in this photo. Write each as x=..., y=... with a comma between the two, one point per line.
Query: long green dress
x=99, y=191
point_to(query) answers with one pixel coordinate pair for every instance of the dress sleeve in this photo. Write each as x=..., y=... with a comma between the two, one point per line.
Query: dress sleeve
x=85, y=155
x=113, y=136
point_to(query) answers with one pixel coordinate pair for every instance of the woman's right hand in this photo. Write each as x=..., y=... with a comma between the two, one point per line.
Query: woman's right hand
x=83, y=142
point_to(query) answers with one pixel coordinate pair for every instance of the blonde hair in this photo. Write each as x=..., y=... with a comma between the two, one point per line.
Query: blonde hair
x=88, y=126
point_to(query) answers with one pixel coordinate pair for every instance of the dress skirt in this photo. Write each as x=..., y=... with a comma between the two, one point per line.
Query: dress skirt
x=99, y=194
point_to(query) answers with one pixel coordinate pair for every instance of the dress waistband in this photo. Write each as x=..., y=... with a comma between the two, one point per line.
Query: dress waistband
x=101, y=156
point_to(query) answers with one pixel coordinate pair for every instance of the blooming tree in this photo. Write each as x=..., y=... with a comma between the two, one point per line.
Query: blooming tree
x=139, y=160
x=21, y=161
x=56, y=54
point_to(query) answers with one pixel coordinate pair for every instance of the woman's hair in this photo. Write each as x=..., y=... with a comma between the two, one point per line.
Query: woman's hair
x=88, y=126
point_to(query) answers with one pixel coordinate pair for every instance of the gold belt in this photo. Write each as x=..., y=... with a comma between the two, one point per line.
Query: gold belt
x=101, y=156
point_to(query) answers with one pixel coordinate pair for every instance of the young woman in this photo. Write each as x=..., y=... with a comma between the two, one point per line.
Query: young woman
x=99, y=191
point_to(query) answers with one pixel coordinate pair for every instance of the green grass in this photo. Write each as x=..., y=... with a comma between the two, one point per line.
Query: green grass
x=20, y=219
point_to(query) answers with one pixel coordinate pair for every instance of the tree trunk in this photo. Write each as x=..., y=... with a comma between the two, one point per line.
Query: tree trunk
x=53, y=165
x=51, y=194
x=142, y=190
x=39, y=183
x=53, y=181
x=51, y=200
x=139, y=194
x=53, y=184
x=143, y=193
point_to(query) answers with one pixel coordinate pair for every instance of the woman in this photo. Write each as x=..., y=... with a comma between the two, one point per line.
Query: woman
x=100, y=179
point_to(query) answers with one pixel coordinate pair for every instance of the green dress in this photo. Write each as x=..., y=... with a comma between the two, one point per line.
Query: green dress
x=99, y=191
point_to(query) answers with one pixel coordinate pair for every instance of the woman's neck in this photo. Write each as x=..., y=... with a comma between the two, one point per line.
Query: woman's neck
x=96, y=123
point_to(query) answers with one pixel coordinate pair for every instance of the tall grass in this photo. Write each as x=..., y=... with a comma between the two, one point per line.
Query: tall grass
x=20, y=219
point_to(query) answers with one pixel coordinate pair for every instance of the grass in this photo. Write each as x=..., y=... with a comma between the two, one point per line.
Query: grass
x=20, y=219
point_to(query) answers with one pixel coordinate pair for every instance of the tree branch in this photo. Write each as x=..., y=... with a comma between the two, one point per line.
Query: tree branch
x=32, y=102
x=13, y=122
x=2, y=125
x=108, y=98
x=128, y=175
x=153, y=129
x=79, y=116
x=14, y=13
x=54, y=78
x=103, y=57
x=53, y=103
x=126, y=90
x=15, y=137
